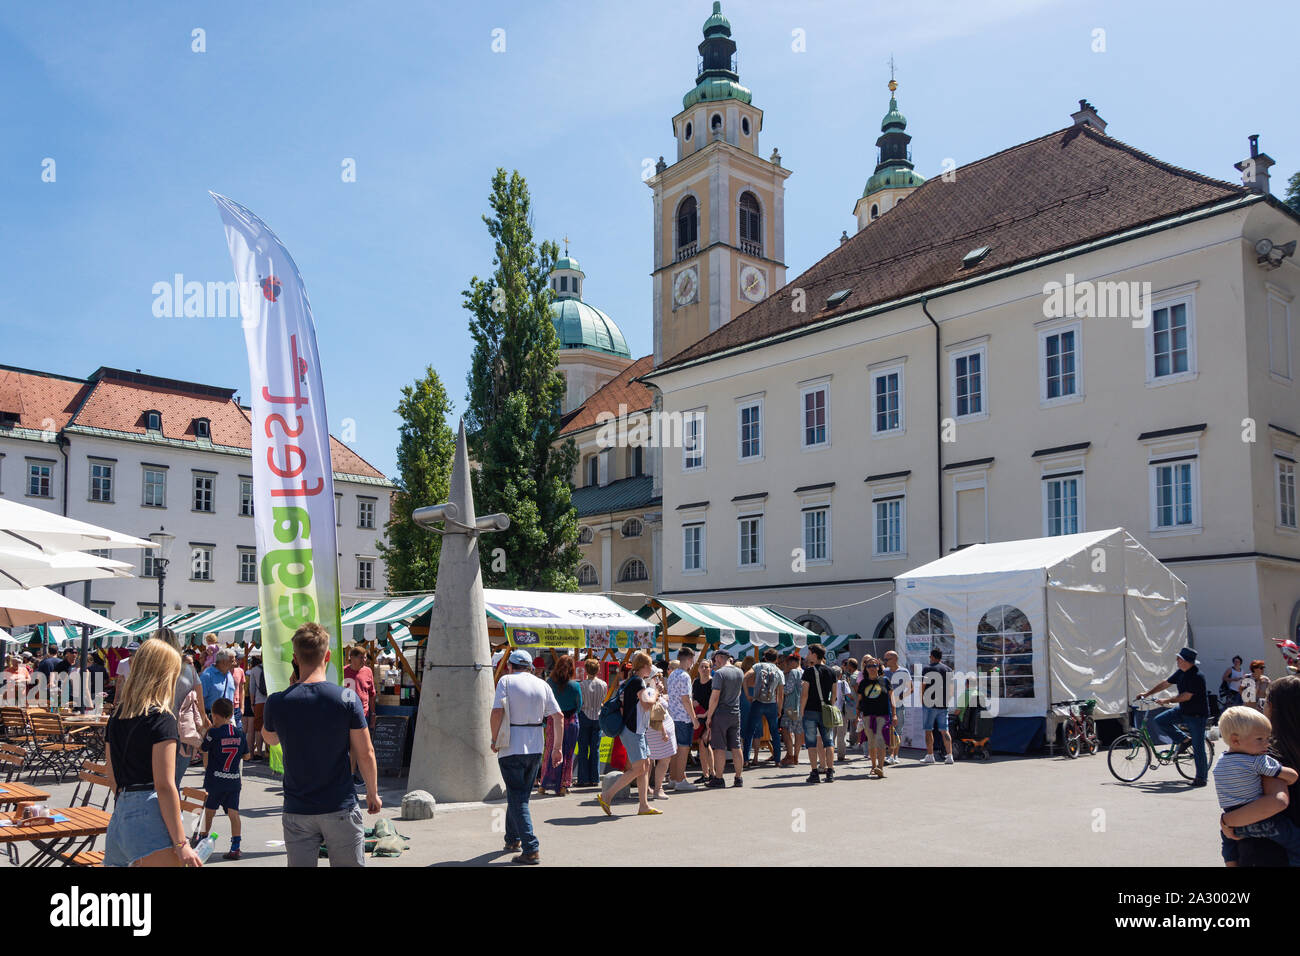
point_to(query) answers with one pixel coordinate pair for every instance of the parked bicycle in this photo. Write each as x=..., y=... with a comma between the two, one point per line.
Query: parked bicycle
x=1134, y=753
x=1079, y=729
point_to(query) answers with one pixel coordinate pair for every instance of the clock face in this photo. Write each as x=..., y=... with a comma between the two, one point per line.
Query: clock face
x=753, y=284
x=686, y=286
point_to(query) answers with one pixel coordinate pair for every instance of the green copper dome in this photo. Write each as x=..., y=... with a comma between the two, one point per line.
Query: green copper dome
x=716, y=88
x=893, y=119
x=717, y=23
x=581, y=326
x=892, y=178
x=717, y=79
x=567, y=262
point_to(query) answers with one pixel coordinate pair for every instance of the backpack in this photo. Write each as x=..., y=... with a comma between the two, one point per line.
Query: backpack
x=766, y=681
x=611, y=715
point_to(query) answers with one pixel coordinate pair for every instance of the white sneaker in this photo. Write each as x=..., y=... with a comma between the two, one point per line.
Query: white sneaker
x=891, y=760
x=948, y=759
x=682, y=786
x=928, y=758
x=669, y=785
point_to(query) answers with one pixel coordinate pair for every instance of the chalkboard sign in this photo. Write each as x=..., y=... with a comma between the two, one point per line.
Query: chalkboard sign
x=389, y=736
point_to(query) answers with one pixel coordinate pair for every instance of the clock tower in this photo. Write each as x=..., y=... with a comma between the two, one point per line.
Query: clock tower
x=719, y=210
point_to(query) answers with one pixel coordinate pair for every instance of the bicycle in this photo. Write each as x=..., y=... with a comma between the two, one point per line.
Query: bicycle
x=1079, y=729
x=1134, y=753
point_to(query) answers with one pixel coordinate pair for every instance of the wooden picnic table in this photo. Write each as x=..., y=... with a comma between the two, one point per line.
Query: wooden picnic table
x=19, y=793
x=49, y=839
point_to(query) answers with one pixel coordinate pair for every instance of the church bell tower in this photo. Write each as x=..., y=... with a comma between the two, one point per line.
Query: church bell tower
x=719, y=209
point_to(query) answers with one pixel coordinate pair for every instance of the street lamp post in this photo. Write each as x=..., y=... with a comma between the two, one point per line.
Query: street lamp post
x=160, y=561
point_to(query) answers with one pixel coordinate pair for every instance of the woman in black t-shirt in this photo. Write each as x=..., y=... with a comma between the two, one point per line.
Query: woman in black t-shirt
x=146, y=827
x=876, y=708
x=701, y=694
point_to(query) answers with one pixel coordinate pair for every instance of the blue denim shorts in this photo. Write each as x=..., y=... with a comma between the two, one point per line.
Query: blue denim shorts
x=636, y=746
x=934, y=718
x=136, y=828
x=685, y=732
x=812, y=723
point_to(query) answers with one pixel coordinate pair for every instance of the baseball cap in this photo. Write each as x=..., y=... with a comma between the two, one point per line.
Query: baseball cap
x=719, y=651
x=521, y=659
x=133, y=646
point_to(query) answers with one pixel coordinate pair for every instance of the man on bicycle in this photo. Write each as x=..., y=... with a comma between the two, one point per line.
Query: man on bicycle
x=1191, y=708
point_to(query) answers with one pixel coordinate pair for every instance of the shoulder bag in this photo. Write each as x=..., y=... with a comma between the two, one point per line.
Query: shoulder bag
x=831, y=716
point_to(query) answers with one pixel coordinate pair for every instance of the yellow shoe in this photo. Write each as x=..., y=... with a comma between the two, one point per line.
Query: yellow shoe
x=650, y=812
x=600, y=798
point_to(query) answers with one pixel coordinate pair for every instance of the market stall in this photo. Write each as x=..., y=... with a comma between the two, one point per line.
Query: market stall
x=1092, y=615
x=731, y=626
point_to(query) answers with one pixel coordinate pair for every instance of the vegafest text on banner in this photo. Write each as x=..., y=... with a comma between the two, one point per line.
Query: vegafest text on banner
x=293, y=476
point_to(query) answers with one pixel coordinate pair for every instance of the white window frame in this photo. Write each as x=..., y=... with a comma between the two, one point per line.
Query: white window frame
x=741, y=406
x=756, y=516
x=825, y=389
x=146, y=470
x=1045, y=331
x=1281, y=466
x=954, y=356
x=49, y=478
x=208, y=560
x=882, y=371
x=1279, y=297
x=803, y=532
x=242, y=512
x=700, y=527
x=693, y=459
x=1167, y=299
x=246, y=553
x=594, y=573
x=1050, y=477
x=885, y=499
x=368, y=566
x=620, y=579
x=976, y=479
x=108, y=476
x=196, y=477
x=1153, y=469
x=362, y=505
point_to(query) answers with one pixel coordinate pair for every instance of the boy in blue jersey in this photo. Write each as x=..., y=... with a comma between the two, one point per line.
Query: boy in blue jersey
x=224, y=746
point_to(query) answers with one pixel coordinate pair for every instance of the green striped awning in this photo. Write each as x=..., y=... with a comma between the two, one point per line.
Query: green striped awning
x=215, y=620
x=138, y=628
x=371, y=620
x=731, y=624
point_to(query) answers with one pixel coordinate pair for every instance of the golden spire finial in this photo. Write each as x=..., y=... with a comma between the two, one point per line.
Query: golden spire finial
x=893, y=84
x=566, y=247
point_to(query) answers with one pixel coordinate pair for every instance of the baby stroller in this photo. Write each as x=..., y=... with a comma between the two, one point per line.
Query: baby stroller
x=969, y=739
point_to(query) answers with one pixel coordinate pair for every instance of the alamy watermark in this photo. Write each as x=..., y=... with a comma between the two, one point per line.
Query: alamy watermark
x=1098, y=299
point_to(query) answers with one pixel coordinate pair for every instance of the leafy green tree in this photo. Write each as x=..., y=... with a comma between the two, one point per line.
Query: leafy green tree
x=425, y=448
x=513, y=414
x=1293, y=192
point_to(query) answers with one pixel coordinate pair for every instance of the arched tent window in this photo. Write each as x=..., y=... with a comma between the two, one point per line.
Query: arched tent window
x=1005, y=643
x=688, y=227
x=632, y=528
x=587, y=576
x=884, y=632
x=751, y=224
x=633, y=570
x=934, y=624
x=585, y=536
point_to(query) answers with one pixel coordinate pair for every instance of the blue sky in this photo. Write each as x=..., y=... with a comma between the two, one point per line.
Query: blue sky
x=140, y=127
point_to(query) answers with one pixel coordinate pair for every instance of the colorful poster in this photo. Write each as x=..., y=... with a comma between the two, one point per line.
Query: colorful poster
x=293, y=476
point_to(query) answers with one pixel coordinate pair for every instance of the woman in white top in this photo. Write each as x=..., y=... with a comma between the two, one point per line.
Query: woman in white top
x=1232, y=677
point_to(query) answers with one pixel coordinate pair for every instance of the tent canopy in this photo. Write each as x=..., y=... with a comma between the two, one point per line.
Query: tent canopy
x=1091, y=615
x=730, y=624
x=371, y=620
x=566, y=619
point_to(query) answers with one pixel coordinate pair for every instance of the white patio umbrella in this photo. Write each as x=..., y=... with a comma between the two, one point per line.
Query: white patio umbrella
x=24, y=566
x=22, y=606
x=22, y=524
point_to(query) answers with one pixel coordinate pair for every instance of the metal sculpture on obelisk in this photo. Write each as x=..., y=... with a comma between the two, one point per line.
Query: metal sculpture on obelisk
x=452, y=755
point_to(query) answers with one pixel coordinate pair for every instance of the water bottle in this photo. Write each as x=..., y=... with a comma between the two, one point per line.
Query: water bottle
x=206, y=847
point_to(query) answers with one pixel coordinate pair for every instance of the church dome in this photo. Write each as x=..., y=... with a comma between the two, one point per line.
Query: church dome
x=582, y=326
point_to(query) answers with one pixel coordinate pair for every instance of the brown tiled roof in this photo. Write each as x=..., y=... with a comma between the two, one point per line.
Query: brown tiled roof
x=39, y=399
x=1069, y=187
x=620, y=390
x=117, y=401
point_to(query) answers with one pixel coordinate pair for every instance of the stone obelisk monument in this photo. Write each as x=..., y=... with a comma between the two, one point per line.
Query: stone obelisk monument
x=452, y=755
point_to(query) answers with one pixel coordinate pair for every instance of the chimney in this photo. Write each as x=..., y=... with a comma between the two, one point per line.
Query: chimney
x=1254, y=168
x=1087, y=116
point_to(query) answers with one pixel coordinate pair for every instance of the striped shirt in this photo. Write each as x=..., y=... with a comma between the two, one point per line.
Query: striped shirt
x=593, y=695
x=1237, y=777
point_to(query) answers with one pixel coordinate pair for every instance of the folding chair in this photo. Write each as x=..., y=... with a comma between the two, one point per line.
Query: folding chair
x=57, y=748
x=92, y=775
x=13, y=759
x=14, y=720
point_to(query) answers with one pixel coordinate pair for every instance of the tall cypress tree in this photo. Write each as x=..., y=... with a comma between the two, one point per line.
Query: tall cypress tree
x=425, y=449
x=513, y=414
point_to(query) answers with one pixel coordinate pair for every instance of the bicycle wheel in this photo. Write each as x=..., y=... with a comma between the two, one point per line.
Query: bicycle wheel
x=1129, y=757
x=1185, y=760
x=1072, y=741
x=1090, y=738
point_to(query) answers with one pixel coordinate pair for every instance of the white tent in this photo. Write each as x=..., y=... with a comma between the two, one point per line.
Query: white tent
x=1070, y=617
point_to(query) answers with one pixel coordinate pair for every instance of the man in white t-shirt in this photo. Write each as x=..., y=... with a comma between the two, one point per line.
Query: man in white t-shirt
x=900, y=682
x=530, y=702
x=681, y=707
